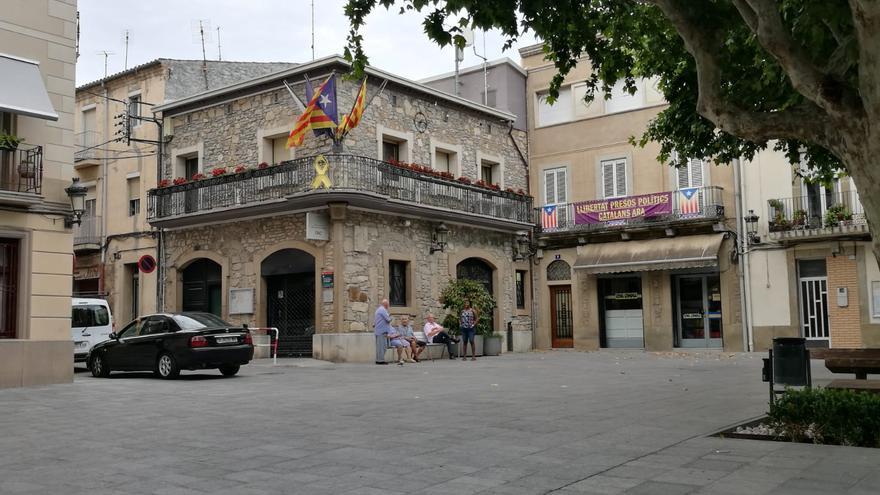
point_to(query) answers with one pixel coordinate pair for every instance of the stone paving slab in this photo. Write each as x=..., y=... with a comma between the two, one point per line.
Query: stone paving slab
x=539, y=423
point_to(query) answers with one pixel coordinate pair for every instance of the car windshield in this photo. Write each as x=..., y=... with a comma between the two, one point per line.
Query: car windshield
x=196, y=321
x=91, y=315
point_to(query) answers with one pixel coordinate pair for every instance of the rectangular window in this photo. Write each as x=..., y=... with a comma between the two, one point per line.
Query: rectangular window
x=554, y=186
x=390, y=151
x=134, y=196
x=621, y=100
x=561, y=110
x=875, y=299
x=190, y=166
x=9, y=254
x=397, y=280
x=521, y=289
x=91, y=205
x=134, y=111
x=441, y=161
x=614, y=178
x=133, y=289
x=280, y=153
x=486, y=173
x=691, y=174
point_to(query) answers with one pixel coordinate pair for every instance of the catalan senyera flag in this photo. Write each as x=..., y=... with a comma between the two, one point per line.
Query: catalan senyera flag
x=353, y=118
x=320, y=113
x=689, y=202
x=549, y=217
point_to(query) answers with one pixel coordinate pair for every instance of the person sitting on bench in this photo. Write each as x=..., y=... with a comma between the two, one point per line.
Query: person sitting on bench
x=406, y=333
x=434, y=333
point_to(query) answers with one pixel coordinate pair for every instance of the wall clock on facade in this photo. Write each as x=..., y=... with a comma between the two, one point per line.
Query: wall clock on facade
x=420, y=121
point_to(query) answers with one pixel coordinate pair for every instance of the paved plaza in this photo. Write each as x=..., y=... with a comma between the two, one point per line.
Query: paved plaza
x=542, y=422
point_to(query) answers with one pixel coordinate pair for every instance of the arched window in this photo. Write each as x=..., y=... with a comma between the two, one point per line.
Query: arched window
x=558, y=270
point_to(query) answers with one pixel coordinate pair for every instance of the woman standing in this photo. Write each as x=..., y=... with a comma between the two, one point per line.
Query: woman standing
x=468, y=326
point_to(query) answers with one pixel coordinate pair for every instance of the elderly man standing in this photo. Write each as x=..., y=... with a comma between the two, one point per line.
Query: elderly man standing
x=382, y=326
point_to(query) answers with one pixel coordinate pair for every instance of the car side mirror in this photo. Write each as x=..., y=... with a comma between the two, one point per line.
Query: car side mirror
x=113, y=336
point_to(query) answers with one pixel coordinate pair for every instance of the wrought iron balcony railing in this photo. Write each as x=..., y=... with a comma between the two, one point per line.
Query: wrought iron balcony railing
x=656, y=209
x=88, y=232
x=293, y=181
x=21, y=169
x=812, y=212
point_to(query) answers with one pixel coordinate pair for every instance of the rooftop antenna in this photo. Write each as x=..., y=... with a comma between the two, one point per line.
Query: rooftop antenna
x=77, y=35
x=202, y=34
x=485, y=71
x=106, y=55
x=313, y=29
x=468, y=35
x=219, y=53
x=125, y=36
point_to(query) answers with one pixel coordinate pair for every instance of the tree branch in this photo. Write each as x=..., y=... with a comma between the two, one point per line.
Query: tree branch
x=764, y=19
x=866, y=23
x=805, y=122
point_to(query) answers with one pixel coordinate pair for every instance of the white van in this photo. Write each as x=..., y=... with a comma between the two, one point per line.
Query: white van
x=90, y=323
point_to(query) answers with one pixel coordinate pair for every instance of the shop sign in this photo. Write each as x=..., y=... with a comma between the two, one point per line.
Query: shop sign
x=692, y=316
x=628, y=208
x=624, y=296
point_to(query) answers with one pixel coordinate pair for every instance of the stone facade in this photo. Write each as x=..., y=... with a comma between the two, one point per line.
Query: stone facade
x=362, y=243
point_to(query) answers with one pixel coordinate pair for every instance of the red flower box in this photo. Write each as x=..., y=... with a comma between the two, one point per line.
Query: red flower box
x=217, y=172
x=180, y=180
x=198, y=176
x=164, y=183
x=240, y=168
x=263, y=165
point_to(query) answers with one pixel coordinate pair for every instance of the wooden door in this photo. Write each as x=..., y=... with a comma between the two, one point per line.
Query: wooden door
x=561, y=323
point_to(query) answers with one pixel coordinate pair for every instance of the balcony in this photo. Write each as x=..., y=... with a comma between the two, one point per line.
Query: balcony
x=87, y=151
x=815, y=216
x=87, y=235
x=361, y=182
x=667, y=209
x=21, y=175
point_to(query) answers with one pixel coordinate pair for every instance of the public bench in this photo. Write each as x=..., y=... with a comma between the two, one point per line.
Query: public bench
x=428, y=350
x=860, y=362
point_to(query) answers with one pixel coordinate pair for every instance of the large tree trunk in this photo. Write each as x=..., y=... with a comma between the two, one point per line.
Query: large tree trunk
x=863, y=164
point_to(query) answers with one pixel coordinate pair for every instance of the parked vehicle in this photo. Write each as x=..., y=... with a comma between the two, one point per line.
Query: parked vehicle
x=90, y=323
x=166, y=343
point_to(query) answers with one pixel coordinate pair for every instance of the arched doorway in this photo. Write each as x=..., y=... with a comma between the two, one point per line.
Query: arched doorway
x=480, y=271
x=202, y=287
x=289, y=275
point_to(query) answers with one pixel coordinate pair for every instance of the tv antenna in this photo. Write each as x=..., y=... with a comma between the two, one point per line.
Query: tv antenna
x=219, y=53
x=468, y=35
x=313, y=29
x=485, y=70
x=106, y=55
x=126, y=35
x=201, y=29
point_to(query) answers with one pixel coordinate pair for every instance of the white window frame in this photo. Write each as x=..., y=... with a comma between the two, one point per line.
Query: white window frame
x=627, y=173
x=404, y=141
x=179, y=157
x=560, y=102
x=875, y=308
x=555, y=170
x=264, y=143
x=497, y=163
x=139, y=95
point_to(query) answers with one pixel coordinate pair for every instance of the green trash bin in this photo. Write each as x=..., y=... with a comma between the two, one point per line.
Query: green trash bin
x=791, y=362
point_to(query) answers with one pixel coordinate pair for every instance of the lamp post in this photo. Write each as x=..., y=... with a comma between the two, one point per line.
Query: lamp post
x=438, y=238
x=752, y=227
x=522, y=246
x=77, y=194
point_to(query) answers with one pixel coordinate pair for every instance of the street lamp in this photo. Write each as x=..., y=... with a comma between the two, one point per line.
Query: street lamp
x=438, y=238
x=752, y=227
x=522, y=248
x=77, y=194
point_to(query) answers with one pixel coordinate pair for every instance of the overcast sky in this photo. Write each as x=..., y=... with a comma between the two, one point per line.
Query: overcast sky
x=262, y=31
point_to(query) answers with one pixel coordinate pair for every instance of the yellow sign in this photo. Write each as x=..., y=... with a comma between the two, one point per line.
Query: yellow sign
x=322, y=166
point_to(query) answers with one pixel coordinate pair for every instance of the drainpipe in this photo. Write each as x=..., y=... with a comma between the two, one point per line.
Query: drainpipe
x=743, y=268
x=105, y=162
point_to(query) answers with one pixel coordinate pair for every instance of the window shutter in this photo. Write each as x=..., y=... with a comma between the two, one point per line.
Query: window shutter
x=684, y=176
x=561, y=196
x=696, y=172
x=608, y=178
x=550, y=187
x=620, y=178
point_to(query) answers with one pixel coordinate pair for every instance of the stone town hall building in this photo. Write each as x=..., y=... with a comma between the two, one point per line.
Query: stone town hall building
x=258, y=244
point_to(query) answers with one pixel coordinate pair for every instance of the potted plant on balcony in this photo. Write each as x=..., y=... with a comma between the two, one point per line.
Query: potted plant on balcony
x=9, y=142
x=777, y=216
x=799, y=218
x=453, y=296
x=837, y=214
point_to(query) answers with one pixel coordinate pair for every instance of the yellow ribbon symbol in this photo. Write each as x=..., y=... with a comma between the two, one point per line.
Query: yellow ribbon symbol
x=322, y=166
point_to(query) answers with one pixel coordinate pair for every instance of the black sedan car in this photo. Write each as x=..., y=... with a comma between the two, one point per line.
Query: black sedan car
x=169, y=342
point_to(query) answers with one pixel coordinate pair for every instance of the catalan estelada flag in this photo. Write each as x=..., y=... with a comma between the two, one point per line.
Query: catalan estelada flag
x=320, y=113
x=689, y=201
x=353, y=118
x=549, y=217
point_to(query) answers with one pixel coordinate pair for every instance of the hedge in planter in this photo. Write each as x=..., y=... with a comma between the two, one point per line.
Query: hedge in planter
x=453, y=296
x=830, y=416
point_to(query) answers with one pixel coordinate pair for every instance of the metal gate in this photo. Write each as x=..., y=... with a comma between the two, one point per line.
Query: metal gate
x=291, y=309
x=561, y=322
x=814, y=307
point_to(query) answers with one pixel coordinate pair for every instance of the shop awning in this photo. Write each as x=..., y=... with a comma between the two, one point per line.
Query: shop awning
x=22, y=90
x=672, y=253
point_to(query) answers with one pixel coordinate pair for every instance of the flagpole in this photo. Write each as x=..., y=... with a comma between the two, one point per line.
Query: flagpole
x=302, y=107
x=381, y=89
x=353, y=104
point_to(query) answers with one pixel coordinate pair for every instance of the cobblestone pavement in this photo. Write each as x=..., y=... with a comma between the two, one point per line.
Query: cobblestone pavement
x=543, y=422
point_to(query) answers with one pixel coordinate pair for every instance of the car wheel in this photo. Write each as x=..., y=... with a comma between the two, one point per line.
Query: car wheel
x=99, y=367
x=166, y=366
x=230, y=370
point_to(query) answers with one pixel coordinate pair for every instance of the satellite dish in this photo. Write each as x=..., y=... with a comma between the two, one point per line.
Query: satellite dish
x=468, y=35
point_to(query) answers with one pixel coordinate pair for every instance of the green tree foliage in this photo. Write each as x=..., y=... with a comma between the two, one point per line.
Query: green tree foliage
x=802, y=76
x=453, y=296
